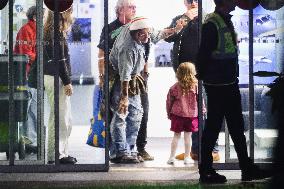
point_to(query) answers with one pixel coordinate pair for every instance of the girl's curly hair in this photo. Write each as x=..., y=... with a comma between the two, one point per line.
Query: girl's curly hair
x=186, y=76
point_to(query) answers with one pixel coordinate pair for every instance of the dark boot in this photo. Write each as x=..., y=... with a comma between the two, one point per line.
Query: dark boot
x=253, y=172
x=212, y=177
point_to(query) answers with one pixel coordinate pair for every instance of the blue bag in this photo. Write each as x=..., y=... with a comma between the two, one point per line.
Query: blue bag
x=96, y=136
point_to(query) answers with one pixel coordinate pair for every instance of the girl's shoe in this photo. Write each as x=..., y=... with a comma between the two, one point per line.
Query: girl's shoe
x=187, y=160
x=180, y=156
x=171, y=160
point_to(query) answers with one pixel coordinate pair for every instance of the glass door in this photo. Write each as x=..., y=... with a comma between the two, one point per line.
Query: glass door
x=32, y=121
x=268, y=56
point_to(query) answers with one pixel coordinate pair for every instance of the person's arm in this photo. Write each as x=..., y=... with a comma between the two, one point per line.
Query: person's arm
x=101, y=66
x=123, y=103
x=169, y=34
x=169, y=104
x=101, y=58
x=175, y=36
x=64, y=63
x=65, y=68
x=125, y=66
x=209, y=40
x=25, y=44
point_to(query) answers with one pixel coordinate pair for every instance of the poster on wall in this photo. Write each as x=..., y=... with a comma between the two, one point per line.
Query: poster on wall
x=80, y=30
x=79, y=39
x=265, y=41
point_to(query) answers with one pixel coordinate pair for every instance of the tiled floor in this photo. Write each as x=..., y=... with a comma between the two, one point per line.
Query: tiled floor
x=159, y=147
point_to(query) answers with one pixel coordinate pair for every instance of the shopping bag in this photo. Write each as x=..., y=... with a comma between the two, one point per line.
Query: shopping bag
x=96, y=136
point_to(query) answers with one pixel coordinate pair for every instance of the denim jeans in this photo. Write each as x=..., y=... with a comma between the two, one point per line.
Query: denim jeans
x=124, y=127
x=30, y=126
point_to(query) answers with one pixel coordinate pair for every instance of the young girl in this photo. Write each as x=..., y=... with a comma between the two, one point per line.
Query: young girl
x=182, y=108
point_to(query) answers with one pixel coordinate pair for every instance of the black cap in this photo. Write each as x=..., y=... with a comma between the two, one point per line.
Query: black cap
x=3, y=4
x=63, y=4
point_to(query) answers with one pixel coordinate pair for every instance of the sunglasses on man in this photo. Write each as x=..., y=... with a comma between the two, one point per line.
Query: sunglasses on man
x=191, y=1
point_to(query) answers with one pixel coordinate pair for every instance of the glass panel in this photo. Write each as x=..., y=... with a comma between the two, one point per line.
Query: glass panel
x=4, y=94
x=240, y=20
x=24, y=37
x=83, y=38
x=268, y=56
x=77, y=50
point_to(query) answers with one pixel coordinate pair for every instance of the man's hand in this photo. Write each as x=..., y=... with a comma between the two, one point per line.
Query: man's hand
x=123, y=105
x=68, y=89
x=101, y=81
x=168, y=32
x=180, y=23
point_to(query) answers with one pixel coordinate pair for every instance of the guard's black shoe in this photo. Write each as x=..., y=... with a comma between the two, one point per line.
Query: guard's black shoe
x=255, y=173
x=211, y=177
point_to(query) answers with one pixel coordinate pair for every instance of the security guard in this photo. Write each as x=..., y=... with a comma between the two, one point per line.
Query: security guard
x=217, y=66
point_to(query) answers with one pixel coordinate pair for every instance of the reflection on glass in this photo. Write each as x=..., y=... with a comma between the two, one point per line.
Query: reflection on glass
x=268, y=50
x=25, y=45
x=4, y=95
x=81, y=36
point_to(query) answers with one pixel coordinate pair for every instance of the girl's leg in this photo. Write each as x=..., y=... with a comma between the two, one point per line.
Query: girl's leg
x=174, y=144
x=187, y=143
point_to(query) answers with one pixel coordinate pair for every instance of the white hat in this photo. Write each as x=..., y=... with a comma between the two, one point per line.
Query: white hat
x=139, y=23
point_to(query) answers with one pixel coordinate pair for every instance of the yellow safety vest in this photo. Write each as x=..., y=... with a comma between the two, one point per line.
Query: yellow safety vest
x=226, y=47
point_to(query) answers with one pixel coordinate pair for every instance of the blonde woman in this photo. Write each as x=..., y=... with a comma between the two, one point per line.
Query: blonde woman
x=182, y=109
x=65, y=85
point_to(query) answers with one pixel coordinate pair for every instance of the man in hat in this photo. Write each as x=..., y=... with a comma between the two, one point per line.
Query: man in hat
x=127, y=58
x=125, y=11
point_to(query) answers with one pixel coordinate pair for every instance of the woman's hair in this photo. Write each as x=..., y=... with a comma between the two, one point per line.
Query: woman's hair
x=65, y=21
x=186, y=76
x=31, y=13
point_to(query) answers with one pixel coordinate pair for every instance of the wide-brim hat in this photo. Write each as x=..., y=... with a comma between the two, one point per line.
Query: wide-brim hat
x=139, y=23
x=63, y=5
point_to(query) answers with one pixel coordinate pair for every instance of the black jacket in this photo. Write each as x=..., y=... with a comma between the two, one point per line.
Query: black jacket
x=185, y=45
x=213, y=71
x=64, y=68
